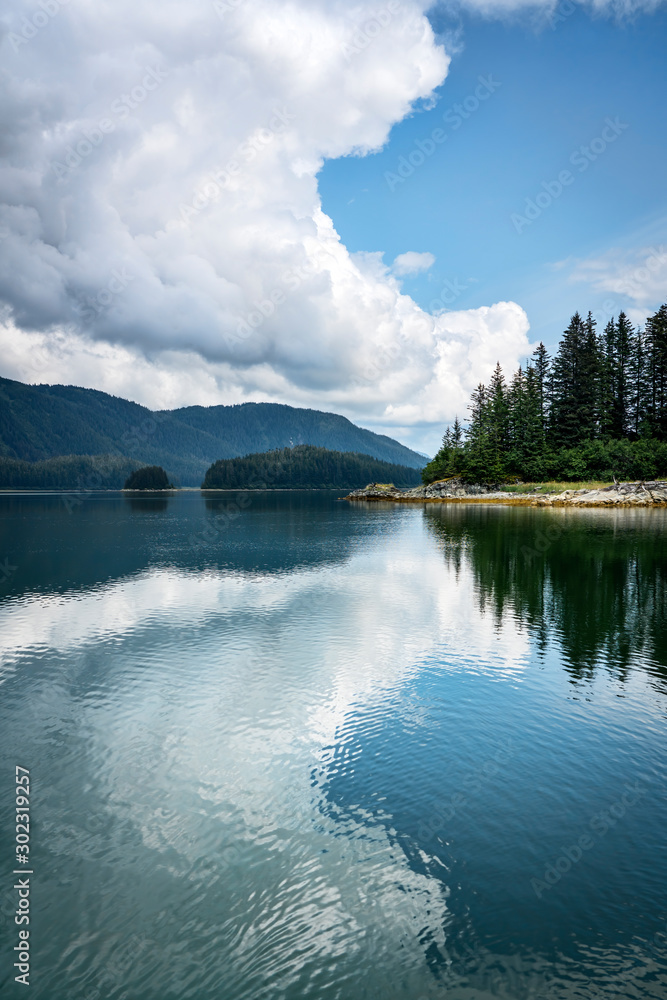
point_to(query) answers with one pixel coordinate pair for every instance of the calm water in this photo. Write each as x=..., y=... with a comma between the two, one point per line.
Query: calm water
x=304, y=749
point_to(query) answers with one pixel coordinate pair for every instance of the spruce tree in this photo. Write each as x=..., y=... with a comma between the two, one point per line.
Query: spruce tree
x=620, y=419
x=478, y=446
x=656, y=373
x=638, y=390
x=566, y=381
x=607, y=379
x=498, y=422
x=588, y=378
x=541, y=365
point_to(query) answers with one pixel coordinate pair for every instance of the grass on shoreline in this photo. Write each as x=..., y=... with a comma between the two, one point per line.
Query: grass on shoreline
x=556, y=487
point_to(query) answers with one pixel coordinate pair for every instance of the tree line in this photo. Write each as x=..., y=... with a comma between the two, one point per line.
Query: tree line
x=77, y=473
x=305, y=467
x=598, y=408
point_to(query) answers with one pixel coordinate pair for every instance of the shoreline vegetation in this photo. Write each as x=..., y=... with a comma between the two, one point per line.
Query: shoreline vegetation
x=597, y=410
x=454, y=490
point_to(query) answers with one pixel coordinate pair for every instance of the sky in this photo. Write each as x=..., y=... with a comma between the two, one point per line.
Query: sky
x=351, y=206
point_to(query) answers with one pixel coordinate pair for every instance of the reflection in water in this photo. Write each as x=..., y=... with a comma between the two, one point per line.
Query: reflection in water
x=595, y=580
x=67, y=542
x=146, y=501
x=311, y=759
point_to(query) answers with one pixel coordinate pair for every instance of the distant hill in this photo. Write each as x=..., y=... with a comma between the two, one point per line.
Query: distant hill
x=48, y=421
x=305, y=467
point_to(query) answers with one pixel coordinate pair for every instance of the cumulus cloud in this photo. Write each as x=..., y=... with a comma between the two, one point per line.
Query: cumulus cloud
x=412, y=263
x=161, y=212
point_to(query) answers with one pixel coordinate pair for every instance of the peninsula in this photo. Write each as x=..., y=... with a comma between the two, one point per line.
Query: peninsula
x=640, y=494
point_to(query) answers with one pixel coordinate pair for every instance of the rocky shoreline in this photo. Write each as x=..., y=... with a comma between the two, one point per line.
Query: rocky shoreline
x=639, y=494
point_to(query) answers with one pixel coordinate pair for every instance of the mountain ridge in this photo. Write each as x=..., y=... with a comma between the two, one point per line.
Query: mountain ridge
x=39, y=422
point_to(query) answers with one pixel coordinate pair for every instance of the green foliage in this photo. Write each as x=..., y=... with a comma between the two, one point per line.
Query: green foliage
x=76, y=473
x=151, y=477
x=305, y=467
x=598, y=409
x=46, y=421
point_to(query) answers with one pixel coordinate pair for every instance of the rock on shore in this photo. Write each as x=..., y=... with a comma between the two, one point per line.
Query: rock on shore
x=641, y=494
x=620, y=494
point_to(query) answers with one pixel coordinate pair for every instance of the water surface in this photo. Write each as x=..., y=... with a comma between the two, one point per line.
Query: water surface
x=287, y=747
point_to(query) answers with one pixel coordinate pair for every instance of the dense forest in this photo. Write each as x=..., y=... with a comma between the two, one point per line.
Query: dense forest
x=597, y=409
x=305, y=467
x=40, y=422
x=75, y=473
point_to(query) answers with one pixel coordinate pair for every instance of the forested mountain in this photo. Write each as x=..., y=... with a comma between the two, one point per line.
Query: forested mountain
x=305, y=467
x=599, y=408
x=47, y=421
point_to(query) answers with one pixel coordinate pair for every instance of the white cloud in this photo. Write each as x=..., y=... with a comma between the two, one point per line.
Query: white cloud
x=412, y=263
x=555, y=11
x=637, y=276
x=162, y=234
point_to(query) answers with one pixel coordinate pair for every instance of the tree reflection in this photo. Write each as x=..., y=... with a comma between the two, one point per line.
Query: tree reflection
x=594, y=580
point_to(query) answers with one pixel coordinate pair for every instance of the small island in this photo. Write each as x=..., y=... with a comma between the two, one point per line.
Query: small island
x=303, y=467
x=150, y=477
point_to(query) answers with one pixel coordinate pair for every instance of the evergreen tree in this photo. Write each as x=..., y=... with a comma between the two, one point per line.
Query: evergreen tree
x=457, y=435
x=498, y=423
x=516, y=406
x=534, y=442
x=566, y=384
x=588, y=383
x=620, y=416
x=656, y=374
x=607, y=379
x=541, y=365
x=638, y=388
x=478, y=446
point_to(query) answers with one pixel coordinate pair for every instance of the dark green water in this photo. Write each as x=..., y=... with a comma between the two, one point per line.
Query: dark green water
x=297, y=748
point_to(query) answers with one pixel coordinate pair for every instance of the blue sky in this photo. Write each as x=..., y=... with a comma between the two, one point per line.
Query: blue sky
x=558, y=86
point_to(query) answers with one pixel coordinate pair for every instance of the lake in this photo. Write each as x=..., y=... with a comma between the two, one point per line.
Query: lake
x=282, y=746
